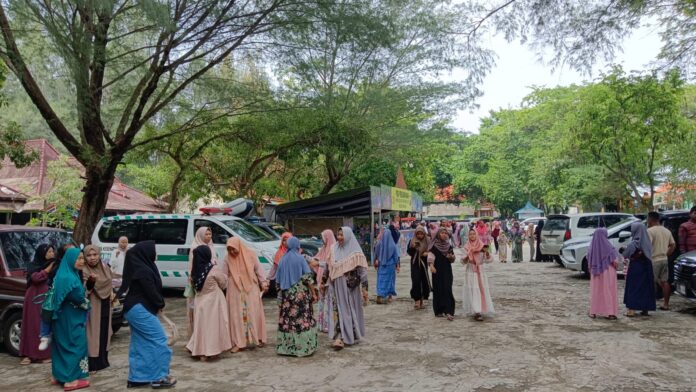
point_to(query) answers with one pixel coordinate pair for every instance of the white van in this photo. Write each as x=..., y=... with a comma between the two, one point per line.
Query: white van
x=174, y=233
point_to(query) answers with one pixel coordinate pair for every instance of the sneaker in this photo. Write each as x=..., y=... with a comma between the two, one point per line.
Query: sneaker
x=44, y=343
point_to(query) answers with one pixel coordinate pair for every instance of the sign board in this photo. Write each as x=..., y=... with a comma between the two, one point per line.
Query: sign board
x=401, y=199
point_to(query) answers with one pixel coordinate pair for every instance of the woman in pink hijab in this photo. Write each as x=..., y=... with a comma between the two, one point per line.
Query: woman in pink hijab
x=325, y=298
x=204, y=236
x=483, y=233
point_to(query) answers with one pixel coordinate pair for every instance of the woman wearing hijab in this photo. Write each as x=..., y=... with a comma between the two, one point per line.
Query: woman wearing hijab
x=396, y=234
x=97, y=278
x=602, y=261
x=495, y=233
x=537, y=236
x=325, y=296
x=640, y=285
x=203, y=237
x=149, y=355
x=483, y=233
x=211, y=334
x=387, y=265
x=279, y=255
x=297, y=332
x=33, y=329
x=503, y=243
x=477, y=297
x=420, y=278
x=440, y=259
x=348, y=275
x=246, y=285
x=517, y=239
x=70, y=366
x=118, y=257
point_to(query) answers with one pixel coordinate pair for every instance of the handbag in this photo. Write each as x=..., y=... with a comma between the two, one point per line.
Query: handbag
x=172, y=330
x=47, y=305
x=352, y=279
x=189, y=292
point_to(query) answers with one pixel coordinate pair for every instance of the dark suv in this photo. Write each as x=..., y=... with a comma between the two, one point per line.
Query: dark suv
x=682, y=266
x=17, y=246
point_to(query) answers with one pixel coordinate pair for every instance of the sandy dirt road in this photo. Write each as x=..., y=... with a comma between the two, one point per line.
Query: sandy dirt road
x=540, y=340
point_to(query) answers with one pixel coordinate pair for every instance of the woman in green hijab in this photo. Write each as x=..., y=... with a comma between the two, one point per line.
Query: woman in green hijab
x=69, y=345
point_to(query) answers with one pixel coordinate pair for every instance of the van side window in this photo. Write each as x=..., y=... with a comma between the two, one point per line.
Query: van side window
x=220, y=235
x=111, y=231
x=588, y=222
x=165, y=231
x=611, y=220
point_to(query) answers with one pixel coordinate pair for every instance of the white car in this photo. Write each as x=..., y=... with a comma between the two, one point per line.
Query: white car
x=173, y=235
x=574, y=252
x=535, y=221
x=561, y=228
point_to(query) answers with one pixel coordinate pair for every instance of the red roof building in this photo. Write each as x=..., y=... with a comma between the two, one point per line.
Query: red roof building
x=32, y=181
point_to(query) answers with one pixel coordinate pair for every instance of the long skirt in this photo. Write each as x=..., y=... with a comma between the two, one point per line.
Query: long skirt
x=640, y=285
x=348, y=321
x=297, y=332
x=530, y=241
x=477, y=296
x=69, y=345
x=211, y=334
x=386, y=280
x=102, y=360
x=517, y=252
x=503, y=252
x=604, y=297
x=31, y=325
x=148, y=355
x=420, y=280
x=325, y=309
x=443, y=299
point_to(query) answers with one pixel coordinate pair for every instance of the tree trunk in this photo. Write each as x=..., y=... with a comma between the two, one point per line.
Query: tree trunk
x=96, y=194
x=174, y=192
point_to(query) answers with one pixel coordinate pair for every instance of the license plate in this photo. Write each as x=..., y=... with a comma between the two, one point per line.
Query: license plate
x=681, y=288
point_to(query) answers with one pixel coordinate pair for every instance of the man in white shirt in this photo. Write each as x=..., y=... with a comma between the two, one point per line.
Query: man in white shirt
x=662, y=247
x=118, y=257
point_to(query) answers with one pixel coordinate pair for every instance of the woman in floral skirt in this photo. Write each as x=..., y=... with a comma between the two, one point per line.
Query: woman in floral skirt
x=297, y=331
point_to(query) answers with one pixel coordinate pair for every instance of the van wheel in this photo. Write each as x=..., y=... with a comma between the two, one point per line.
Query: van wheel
x=12, y=333
x=585, y=269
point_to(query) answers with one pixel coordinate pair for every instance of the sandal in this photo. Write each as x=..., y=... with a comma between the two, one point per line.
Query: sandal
x=235, y=350
x=164, y=383
x=630, y=314
x=338, y=345
x=450, y=317
x=478, y=317
x=612, y=317
x=25, y=361
x=664, y=307
x=593, y=316
x=644, y=313
x=81, y=384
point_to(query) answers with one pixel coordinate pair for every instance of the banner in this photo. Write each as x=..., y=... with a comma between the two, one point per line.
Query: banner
x=400, y=199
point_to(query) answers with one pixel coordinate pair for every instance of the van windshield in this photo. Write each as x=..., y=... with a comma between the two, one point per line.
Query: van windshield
x=248, y=231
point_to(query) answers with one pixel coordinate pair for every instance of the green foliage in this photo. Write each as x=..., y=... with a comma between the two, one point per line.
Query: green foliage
x=61, y=203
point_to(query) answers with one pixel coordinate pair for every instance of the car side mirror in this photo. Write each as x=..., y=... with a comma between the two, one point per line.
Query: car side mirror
x=624, y=235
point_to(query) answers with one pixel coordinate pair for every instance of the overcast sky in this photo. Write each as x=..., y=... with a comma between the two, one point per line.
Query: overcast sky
x=517, y=70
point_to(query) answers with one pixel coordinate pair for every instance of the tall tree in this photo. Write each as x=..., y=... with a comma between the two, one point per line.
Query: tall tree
x=125, y=61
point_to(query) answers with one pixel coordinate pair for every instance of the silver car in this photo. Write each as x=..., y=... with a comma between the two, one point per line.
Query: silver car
x=563, y=227
x=574, y=251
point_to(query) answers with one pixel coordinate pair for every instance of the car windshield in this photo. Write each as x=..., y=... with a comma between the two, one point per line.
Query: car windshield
x=19, y=246
x=557, y=223
x=248, y=231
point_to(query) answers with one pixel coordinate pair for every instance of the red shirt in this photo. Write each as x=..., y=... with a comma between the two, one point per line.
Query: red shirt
x=687, y=237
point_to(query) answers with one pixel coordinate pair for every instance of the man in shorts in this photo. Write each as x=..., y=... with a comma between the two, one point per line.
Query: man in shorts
x=662, y=247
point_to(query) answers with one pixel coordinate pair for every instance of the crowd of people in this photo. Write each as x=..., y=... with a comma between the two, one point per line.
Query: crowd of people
x=70, y=294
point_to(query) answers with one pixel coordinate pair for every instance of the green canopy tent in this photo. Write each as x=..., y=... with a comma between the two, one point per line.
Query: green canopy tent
x=528, y=211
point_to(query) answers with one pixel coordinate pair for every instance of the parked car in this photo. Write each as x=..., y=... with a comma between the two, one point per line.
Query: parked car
x=535, y=221
x=310, y=244
x=574, y=252
x=17, y=246
x=563, y=227
x=173, y=235
x=685, y=276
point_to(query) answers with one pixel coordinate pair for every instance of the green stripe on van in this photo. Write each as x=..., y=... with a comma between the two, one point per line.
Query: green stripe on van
x=164, y=274
x=172, y=258
x=261, y=259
